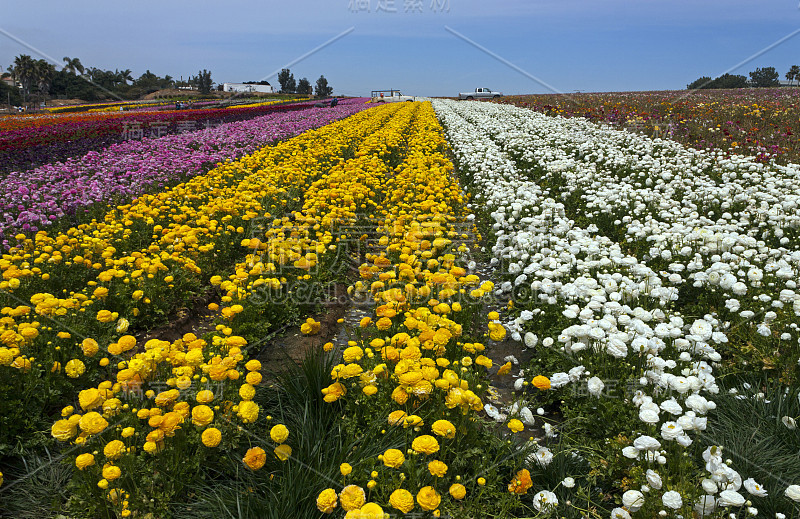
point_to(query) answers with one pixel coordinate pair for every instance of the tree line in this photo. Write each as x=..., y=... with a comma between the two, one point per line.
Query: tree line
x=39, y=80
x=766, y=77
x=303, y=86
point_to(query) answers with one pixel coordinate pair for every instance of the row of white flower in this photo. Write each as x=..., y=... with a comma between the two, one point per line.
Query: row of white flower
x=522, y=166
x=732, y=254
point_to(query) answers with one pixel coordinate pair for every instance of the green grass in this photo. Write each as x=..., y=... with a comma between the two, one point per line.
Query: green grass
x=756, y=440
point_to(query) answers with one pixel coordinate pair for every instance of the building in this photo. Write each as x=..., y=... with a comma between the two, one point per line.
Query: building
x=9, y=81
x=247, y=87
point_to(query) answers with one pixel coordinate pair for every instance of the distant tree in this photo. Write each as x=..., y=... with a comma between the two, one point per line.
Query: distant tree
x=286, y=79
x=304, y=87
x=764, y=77
x=730, y=81
x=699, y=83
x=9, y=94
x=125, y=76
x=25, y=73
x=203, y=81
x=322, y=89
x=794, y=73
x=724, y=81
x=44, y=73
x=73, y=65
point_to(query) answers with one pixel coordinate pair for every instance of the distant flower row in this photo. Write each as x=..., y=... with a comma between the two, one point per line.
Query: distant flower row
x=42, y=196
x=758, y=122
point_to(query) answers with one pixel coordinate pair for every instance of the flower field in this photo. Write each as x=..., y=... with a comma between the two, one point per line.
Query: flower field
x=30, y=140
x=48, y=193
x=498, y=313
x=757, y=122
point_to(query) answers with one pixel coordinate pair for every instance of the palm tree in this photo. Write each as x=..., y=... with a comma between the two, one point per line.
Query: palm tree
x=73, y=64
x=43, y=73
x=24, y=72
x=125, y=75
x=794, y=73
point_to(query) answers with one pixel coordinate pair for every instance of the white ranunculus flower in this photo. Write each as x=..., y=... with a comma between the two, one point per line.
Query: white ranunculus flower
x=671, y=430
x=633, y=500
x=646, y=443
x=793, y=493
x=789, y=422
x=709, y=486
x=568, y=482
x=702, y=328
x=527, y=415
x=705, y=505
x=543, y=456
x=730, y=498
x=672, y=499
x=648, y=416
x=595, y=386
x=754, y=488
x=680, y=384
x=672, y=407
x=630, y=452
x=620, y=513
x=531, y=339
x=545, y=501
x=653, y=479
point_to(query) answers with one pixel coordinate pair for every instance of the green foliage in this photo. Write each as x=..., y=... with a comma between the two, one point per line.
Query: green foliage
x=764, y=77
x=286, y=79
x=322, y=89
x=304, y=86
x=723, y=81
x=749, y=425
x=202, y=81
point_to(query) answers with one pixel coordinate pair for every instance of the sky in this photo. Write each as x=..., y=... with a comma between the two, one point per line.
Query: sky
x=421, y=47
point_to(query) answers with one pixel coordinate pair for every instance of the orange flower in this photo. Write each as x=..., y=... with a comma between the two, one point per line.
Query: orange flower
x=541, y=382
x=521, y=482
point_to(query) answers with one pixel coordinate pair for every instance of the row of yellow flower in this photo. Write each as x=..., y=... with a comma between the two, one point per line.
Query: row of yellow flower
x=149, y=421
x=144, y=255
x=409, y=361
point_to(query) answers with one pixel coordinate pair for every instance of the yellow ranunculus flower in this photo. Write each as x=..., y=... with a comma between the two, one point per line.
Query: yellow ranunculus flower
x=92, y=423
x=248, y=411
x=211, y=437
x=255, y=458
x=541, y=382
x=89, y=347
x=283, y=451
x=279, y=433
x=352, y=497
x=105, y=316
x=75, y=368
x=84, y=460
x=444, y=428
x=393, y=458
x=437, y=468
x=457, y=491
x=428, y=498
x=64, y=430
x=90, y=398
x=111, y=472
x=425, y=444
x=402, y=500
x=515, y=425
x=202, y=415
x=327, y=501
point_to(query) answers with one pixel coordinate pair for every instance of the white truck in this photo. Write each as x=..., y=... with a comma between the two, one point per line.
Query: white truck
x=390, y=96
x=480, y=93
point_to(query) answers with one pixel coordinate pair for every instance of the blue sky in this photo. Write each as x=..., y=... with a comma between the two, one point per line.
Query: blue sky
x=587, y=45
